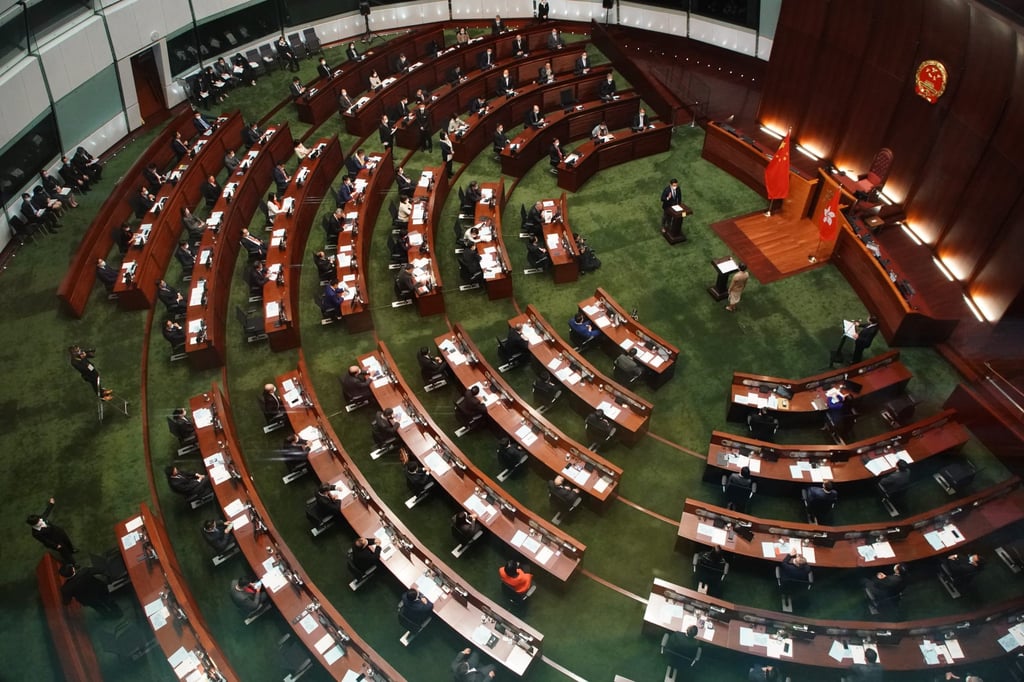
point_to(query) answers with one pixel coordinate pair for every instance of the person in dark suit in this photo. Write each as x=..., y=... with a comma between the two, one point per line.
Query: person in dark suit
x=862, y=341
x=504, y=86
x=793, y=569
x=50, y=535
x=33, y=213
x=670, y=196
x=254, y=246
x=296, y=89
x=607, y=90
x=466, y=667
x=455, y=76
x=105, y=273
x=681, y=647
x=425, y=127
x=962, y=566
x=399, y=111
x=542, y=10
x=545, y=74
x=186, y=483
x=738, y=487
x=406, y=187
x=324, y=265
x=473, y=404
x=478, y=106
x=416, y=608
x=142, y=202
x=556, y=153
x=333, y=298
x=285, y=53
x=356, y=163
x=520, y=48
x=402, y=64
x=81, y=360
x=273, y=408
x=510, y=453
x=353, y=54
x=883, y=586
x=88, y=586
x=201, y=123
x=174, y=333
x=485, y=60
x=385, y=131
x=447, y=153
x=345, y=191
x=183, y=254
x=384, y=426
x=640, y=121
x=465, y=525
x=80, y=176
x=345, y=102
x=217, y=535
x=534, y=118
x=582, y=65
x=172, y=299
x=629, y=365
x=567, y=494
x=281, y=178
x=366, y=553
x=251, y=135
x=555, y=41
x=323, y=69
x=248, y=595
x=868, y=671
x=328, y=498
x=500, y=138
x=416, y=476
x=821, y=499
x=897, y=481
x=210, y=191
x=355, y=384
x=179, y=147
x=498, y=26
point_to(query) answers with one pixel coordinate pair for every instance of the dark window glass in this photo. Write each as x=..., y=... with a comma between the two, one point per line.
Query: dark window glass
x=745, y=13
x=22, y=160
x=12, y=35
x=220, y=35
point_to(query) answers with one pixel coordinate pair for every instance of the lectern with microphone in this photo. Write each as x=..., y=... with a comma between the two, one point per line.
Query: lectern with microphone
x=673, y=234
x=723, y=266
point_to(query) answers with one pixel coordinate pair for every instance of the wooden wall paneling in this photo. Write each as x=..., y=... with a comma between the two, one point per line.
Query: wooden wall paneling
x=999, y=283
x=843, y=42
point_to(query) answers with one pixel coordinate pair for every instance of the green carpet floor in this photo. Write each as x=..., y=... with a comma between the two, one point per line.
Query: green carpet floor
x=54, y=445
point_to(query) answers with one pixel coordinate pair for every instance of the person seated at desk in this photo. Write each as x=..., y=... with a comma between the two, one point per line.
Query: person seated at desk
x=323, y=70
x=582, y=65
x=465, y=525
x=301, y=151
x=355, y=385
x=607, y=90
x=600, y=133
x=461, y=36
x=473, y=193
x=509, y=453
x=366, y=553
x=681, y=647
x=328, y=499
x=352, y=54
x=762, y=425
x=251, y=135
x=821, y=499
x=472, y=403
x=556, y=153
x=281, y=178
x=456, y=76
x=763, y=673
x=124, y=237
x=478, y=106
x=217, y=535
x=404, y=213
x=416, y=608
x=500, y=138
x=534, y=119
x=172, y=299
x=183, y=254
x=375, y=81
x=520, y=48
x=485, y=60
x=258, y=275
x=515, y=576
x=567, y=494
x=345, y=102
x=179, y=147
x=962, y=567
x=515, y=342
x=211, y=191
x=406, y=187
x=106, y=275
x=333, y=224
x=737, y=489
x=555, y=41
x=274, y=207
x=192, y=224
x=583, y=327
x=868, y=671
x=273, y=408
x=248, y=595
x=385, y=131
x=294, y=451
x=417, y=478
x=346, y=191
x=599, y=423
x=640, y=121
x=183, y=427
x=536, y=254
x=334, y=296
x=356, y=163
x=384, y=426
x=504, y=86
x=155, y=179
x=793, y=569
x=143, y=202
x=423, y=96
x=881, y=586
x=628, y=365
x=325, y=267
x=402, y=64
x=254, y=246
x=186, y=483
x=174, y=334
x=466, y=667
x=88, y=586
x=835, y=398
x=472, y=235
x=231, y=161
x=545, y=74
x=498, y=26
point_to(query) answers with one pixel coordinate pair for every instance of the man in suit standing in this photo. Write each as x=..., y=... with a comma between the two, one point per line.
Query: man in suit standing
x=542, y=10
x=179, y=147
x=865, y=335
x=51, y=536
x=497, y=26
x=500, y=138
x=670, y=196
x=385, y=131
x=88, y=587
x=281, y=178
x=504, y=87
x=534, y=119
x=582, y=65
x=424, y=125
x=81, y=360
x=447, y=152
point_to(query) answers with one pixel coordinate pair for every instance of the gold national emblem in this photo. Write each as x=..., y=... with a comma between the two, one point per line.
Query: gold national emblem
x=930, y=80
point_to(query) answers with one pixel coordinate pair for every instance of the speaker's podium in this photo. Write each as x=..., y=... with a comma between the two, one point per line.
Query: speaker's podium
x=674, y=215
x=723, y=266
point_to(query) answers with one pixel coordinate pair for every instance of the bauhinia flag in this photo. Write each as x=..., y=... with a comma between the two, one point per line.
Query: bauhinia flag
x=828, y=221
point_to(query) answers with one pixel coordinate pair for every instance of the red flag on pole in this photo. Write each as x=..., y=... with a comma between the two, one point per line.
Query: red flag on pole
x=776, y=174
x=828, y=221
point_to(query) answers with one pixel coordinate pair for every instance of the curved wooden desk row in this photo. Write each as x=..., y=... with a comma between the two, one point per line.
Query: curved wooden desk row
x=865, y=380
x=588, y=471
x=71, y=640
x=626, y=145
x=560, y=240
x=493, y=254
x=428, y=200
x=523, y=72
x=542, y=543
x=207, y=313
x=621, y=330
x=433, y=74
x=468, y=612
x=353, y=243
x=98, y=240
x=630, y=412
x=859, y=461
x=167, y=601
x=532, y=145
x=937, y=532
x=807, y=641
x=287, y=243
x=144, y=264
x=315, y=621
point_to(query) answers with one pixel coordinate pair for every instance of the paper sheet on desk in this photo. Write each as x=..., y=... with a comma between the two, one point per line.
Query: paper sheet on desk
x=867, y=552
x=611, y=411
x=552, y=241
x=821, y=473
x=525, y=435
x=717, y=535
x=838, y=651
x=657, y=361
x=428, y=588
x=437, y=464
x=134, y=524
x=218, y=473
x=308, y=623
x=878, y=465
x=670, y=611
x=544, y=555
x=274, y=580
x=603, y=322
x=768, y=550
x=196, y=297
x=324, y=643
x=530, y=334
x=883, y=550
x=157, y=613
x=188, y=669
x=234, y=509
x=202, y=418
x=193, y=328
x=129, y=540
x=481, y=635
x=273, y=308
x=578, y=476
x=602, y=484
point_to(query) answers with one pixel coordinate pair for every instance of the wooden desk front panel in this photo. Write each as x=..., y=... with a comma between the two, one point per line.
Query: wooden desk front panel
x=499, y=282
x=626, y=146
x=71, y=639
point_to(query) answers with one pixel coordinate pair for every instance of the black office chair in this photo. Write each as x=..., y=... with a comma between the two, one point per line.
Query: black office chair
x=458, y=230
x=252, y=325
x=515, y=598
x=579, y=342
x=955, y=583
x=820, y=512
x=955, y=477
x=320, y=519
x=126, y=640
x=789, y=586
x=737, y=496
x=546, y=392
x=538, y=262
x=111, y=564
x=624, y=377
x=839, y=425
x=186, y=436
x=599, y=431
x=293, y=657
x=762, y=426
x=360, y=577
x=510, y=358
x=677, y=658
x=467, y=211
x=709, y=575
x=888, y=604
x=892, y=490
x=412, y=627
x=561, y=505
x=398, y=253
x=24, y=229
x=312, y=41
x=469, y=419
x=465, y=537
x=471, y=275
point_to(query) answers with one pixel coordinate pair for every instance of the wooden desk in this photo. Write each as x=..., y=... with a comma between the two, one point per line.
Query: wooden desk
x=852, y=546
x=166, y=600
x=323, y=104
x=287, y=243
x=543, y=544
x=148, y=262
x=627, y=145
x=207, y=297
x=653, y=352
x=313, y=618
x=493, y=254
x=674, y=608
x=745, y=159
x=532, y=145
x=428, y=199
x=591, y=473
x=74, y=289
x=456, y=602
x=510, y=112
x=373, y=184
x=881, y=375
x=630, y=412
x=560, y=240
x=71, y=640
x=845, y=463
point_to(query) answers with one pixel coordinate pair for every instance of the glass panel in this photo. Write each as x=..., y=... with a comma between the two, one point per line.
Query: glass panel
x=220, y=35
x=25, y=156
x=739, y=12
x=88, y=107
x=13, y=43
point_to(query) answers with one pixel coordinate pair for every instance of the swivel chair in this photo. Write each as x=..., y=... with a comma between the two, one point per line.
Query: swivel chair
x=360, y=576
x=412, y=627
x=470, y=420
x=737, y=496
x=676, y=658
x=510, y=358
x=320, y=519
x=708, y=574
x=788, y=586
x=561, y=505
x=466, y=537
x=546, y=393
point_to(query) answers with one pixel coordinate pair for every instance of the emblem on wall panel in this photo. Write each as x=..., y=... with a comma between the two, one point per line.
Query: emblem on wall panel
x=930, y=80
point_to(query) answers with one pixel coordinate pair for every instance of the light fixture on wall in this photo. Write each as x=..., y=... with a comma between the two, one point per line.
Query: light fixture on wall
x=974, y=308
x=910, y=233
x=943, y=269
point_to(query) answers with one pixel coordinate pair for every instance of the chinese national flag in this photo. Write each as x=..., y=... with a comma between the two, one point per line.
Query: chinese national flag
x=776, y=174
x=828, y=222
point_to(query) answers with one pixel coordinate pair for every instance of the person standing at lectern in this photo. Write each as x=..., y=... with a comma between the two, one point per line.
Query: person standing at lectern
x=864, y=336
x=670, y=197
x=736, y=286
